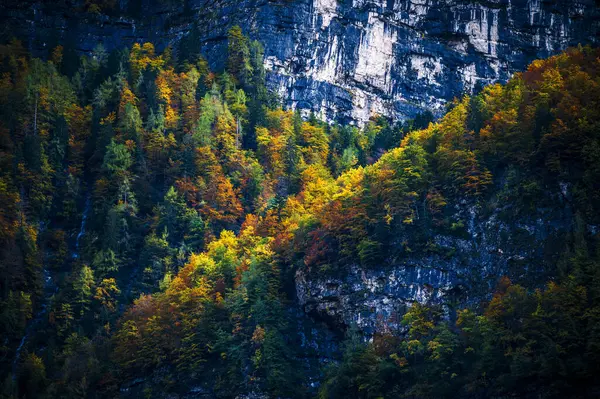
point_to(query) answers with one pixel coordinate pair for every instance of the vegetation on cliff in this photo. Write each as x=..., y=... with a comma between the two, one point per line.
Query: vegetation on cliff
x=153, y=214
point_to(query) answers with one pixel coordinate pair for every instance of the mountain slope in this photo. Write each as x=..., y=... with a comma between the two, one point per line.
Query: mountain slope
x=171, y=231
x=410, y=249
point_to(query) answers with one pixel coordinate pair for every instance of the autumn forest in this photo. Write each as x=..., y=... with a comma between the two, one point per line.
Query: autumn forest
x=155, y=216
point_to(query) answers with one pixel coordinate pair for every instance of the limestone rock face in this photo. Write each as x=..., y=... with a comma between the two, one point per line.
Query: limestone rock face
x=459, y=268
x=356, y=58
x=346, y=60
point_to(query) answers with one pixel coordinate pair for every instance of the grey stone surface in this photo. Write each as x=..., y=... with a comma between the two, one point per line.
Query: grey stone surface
x=463, y=269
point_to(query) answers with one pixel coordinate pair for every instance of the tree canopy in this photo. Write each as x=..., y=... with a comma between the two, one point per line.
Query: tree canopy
x=153, y=218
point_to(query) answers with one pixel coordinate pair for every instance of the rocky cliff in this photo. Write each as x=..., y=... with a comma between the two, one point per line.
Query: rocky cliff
x=459, y=268
x=343, y=59
x=393, y=57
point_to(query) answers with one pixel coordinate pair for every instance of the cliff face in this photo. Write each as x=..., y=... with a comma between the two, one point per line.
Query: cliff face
x=460, y=268
x=343, y=59
x=397, y=57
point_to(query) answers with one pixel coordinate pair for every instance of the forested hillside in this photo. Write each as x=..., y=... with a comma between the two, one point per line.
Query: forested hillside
x=156, y=218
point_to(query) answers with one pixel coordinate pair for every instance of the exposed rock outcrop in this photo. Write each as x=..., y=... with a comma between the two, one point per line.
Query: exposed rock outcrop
x=393, y=57
x=458, y=268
